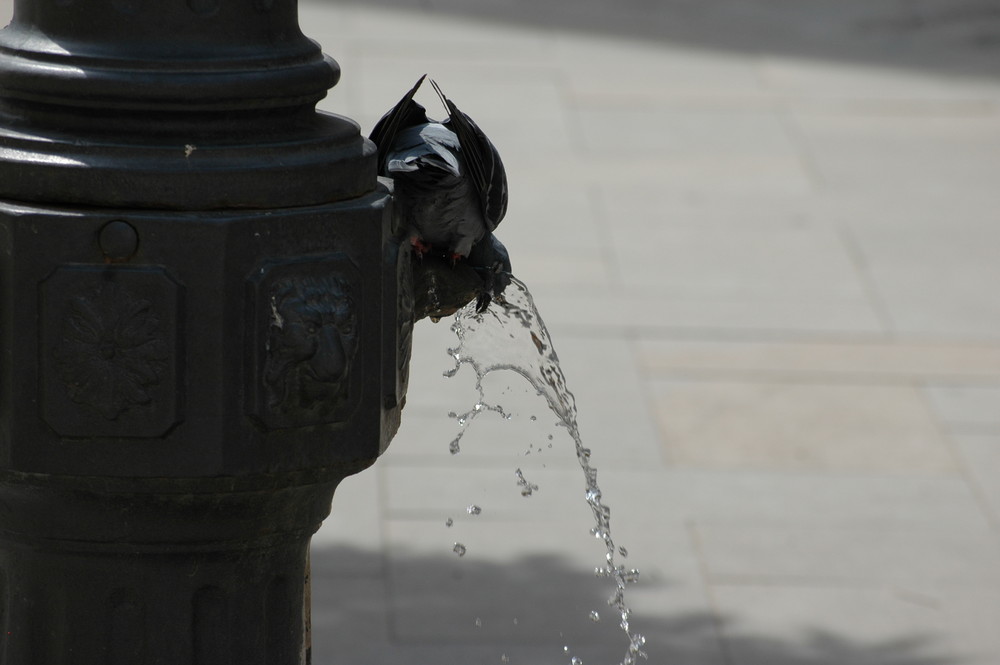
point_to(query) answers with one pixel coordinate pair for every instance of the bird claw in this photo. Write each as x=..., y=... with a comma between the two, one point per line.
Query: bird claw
x=483, y=301
x=420, y=246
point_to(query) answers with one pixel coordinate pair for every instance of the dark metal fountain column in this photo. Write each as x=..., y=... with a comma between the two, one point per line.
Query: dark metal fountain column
x=204, y=327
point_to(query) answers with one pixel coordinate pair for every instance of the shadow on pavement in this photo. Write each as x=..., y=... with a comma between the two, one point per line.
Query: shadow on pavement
x=435, y=602
x=959, y=36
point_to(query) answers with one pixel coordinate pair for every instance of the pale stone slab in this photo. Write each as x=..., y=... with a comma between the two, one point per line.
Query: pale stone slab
x=570, y=269
x=494, y=442
x=457, y=37
x=614, y=416
x=698, y=174
x=981, y=454
x=683, y=133
x=936, y=277
x=794, y=425
x=352, y=534
x=643, y=498
x=893, y=153
x=818, y=500
x=551, y=217
x=486, y=90
x=532, y=586
x=690, y=150
x=621, y=312
x=834, y=83
x=349, y=615
x=768, y=625
x=429, y=388
x=437, y=493
x=890, y=362
x=617, y=71
x=923, y=559
x=755, y=256
x=967, y=406
x=546, y=583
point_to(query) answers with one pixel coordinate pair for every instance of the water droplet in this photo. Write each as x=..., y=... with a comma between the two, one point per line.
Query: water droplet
x=473, y=509
x=449, y=522
x=630, y=576
x=459, y=549
x=594, y=616
x=527, y=489
x=566, y=649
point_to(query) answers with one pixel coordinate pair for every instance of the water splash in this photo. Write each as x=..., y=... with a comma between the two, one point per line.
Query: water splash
x=510, y=335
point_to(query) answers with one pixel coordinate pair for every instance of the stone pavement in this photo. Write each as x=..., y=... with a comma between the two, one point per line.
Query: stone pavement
x=765, y=236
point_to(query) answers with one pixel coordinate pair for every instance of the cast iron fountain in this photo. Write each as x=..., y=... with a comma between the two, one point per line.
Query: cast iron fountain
x=206, y=306
x=205, y=316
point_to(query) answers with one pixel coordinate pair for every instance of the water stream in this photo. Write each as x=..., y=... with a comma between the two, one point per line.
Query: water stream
x=510, y=335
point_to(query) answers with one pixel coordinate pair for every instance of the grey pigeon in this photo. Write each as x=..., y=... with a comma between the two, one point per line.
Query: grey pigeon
x=451, y=186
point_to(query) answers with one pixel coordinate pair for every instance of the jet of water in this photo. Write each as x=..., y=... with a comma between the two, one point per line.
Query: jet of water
x=510, y=335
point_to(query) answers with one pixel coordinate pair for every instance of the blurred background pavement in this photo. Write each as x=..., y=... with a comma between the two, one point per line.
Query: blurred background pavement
x=765, y=236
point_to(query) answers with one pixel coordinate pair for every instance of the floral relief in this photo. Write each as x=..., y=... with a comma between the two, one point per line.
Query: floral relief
x=112, y=350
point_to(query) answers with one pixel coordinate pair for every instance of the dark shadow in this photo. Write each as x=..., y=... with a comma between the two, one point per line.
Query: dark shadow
x=957, y=36
x=435, y=601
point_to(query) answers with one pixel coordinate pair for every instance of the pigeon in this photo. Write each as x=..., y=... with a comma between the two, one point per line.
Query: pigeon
x=450, y=186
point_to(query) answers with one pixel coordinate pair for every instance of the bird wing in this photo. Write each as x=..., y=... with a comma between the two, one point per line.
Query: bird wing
x=482, y=162
x=392, y=122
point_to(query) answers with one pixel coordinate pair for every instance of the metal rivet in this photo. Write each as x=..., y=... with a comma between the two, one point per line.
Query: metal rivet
x=119, y=241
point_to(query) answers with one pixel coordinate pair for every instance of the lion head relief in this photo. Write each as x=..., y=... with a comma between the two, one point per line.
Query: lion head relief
x=311, y=344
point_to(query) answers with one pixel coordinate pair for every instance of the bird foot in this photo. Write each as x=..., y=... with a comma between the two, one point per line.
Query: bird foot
x=421, y=246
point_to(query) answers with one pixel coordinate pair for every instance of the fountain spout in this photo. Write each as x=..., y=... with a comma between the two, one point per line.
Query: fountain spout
x=205, y=318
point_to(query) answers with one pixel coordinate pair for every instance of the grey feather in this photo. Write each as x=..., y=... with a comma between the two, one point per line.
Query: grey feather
x=450, y=188
x=450, y=182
